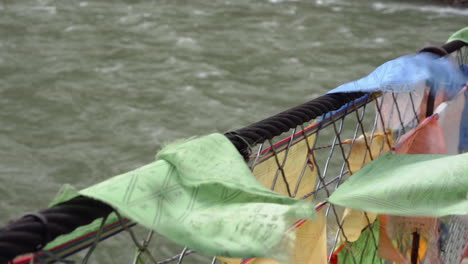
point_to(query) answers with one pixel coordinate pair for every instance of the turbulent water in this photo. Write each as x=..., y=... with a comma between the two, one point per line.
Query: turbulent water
x=92, y=89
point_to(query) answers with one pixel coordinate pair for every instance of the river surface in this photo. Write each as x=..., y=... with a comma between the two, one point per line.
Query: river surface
x=89, y=90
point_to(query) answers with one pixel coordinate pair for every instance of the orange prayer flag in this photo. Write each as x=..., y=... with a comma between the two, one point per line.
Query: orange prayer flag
x=427, y=138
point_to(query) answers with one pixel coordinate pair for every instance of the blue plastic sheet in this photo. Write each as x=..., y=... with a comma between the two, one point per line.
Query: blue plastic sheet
x=402, y=75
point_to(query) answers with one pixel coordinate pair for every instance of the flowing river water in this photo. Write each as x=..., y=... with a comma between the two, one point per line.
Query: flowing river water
x=89, y=90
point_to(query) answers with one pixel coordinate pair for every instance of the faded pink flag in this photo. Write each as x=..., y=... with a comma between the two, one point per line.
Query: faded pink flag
x=427, y=138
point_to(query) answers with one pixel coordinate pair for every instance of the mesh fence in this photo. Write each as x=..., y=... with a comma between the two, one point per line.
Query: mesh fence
x=308, y=162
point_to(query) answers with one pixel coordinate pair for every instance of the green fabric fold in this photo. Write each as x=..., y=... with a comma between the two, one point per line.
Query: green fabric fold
x=201, y=194
x=408, y=185
x=364, y=250
x=461, y=34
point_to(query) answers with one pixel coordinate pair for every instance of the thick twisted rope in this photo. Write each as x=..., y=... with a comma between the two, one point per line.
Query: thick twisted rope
x=33, y=231
x=276, y=125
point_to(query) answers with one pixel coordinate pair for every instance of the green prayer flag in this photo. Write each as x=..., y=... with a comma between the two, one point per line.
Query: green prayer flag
x=200, y=193
x=461, y=34
x=364, y=250
x=68, y=192
x=408, y=185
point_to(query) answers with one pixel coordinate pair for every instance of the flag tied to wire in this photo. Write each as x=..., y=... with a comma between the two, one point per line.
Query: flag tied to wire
x=407, y=73
x=409, y=185
x=200, y=193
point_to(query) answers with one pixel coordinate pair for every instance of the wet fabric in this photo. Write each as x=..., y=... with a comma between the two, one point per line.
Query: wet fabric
x=408, y=185
x=406, y=73
x=201, y=194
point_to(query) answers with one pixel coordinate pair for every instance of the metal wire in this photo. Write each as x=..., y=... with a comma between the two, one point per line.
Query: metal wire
x=337, y=150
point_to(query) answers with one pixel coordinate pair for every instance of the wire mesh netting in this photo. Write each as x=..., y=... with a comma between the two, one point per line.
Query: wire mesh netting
x=309, y=162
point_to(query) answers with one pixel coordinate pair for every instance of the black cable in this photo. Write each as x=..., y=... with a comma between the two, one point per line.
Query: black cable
x=31, y=232
x=284, y=121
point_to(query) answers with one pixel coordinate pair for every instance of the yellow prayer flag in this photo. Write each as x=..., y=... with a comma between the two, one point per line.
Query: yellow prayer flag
x=299, y=171
x=301, y=176
x=310, y=246
x=354, y=221
x=365, y=149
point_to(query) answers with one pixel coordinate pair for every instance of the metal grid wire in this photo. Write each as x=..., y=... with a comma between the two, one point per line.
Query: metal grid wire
x=461, y=57
x=335, y=136
x=328, y=154
x=334, y=142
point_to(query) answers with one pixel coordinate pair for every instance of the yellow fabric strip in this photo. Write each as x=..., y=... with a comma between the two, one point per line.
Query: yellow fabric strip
x=296, y=170
x=301, y=176
x=364, y=150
